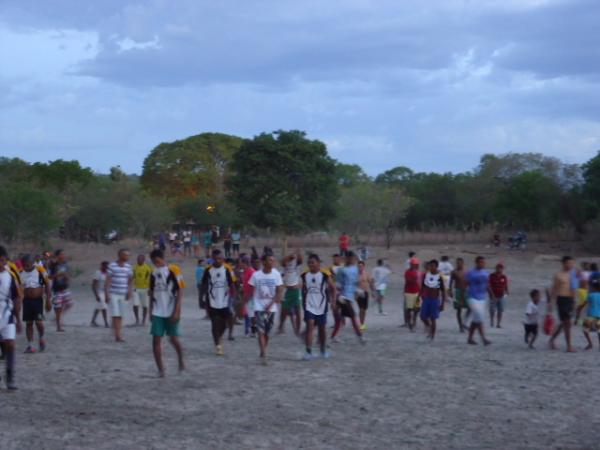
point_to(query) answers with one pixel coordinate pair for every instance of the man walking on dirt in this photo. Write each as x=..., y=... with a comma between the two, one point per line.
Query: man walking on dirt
x=118, y=290
x=478, y=290
x=563, y=293
x=458, y=291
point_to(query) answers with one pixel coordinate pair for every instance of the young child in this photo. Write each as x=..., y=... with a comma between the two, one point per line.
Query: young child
x=592, y=321
x=166, y=293
x=532, y=318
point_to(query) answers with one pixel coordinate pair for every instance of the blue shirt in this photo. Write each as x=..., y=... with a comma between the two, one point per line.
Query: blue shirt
x=348, y=278
x=593, y=309
x=199, y=274
x=478, y=283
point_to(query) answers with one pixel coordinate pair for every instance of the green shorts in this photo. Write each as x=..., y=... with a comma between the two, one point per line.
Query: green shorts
x=460, y=299
x=162, y=325
x=292, y=299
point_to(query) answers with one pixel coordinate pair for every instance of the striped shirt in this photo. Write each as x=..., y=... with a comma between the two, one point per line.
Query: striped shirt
x=119, y=278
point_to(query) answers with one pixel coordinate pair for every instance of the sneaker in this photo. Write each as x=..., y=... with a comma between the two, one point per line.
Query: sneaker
x=335, y=340
x=363, y=327
x=362, y=340
x=42, y=345
x=326, y=354
x=307, y=357
x=11, y=386
x=383, y=313
x=219, y=350
x=264, y=361
x=29, y=349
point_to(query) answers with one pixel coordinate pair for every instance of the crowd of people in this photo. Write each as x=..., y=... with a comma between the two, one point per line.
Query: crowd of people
x=249, y=290
x=194, y=243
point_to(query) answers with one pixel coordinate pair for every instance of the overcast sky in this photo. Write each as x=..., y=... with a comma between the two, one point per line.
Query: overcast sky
x=427, y=84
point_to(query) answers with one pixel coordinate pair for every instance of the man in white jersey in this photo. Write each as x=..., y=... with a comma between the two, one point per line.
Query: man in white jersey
x=267, y=290
x=35, y=286
x=380, y=279
x=292, y=301
x=10, y=316
x=318, y=291
x=98, y=288
x=166, y=294
x=118, y=290
x=217, y=289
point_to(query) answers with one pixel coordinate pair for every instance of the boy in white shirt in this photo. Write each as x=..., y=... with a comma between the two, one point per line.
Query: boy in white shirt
x=532, y=318
x=166, y=292
x=267, y=291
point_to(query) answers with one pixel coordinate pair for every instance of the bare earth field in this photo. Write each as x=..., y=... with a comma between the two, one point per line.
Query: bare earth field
x=397, y=391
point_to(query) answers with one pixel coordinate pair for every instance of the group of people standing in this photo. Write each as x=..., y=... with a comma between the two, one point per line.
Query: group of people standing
x=194, y=243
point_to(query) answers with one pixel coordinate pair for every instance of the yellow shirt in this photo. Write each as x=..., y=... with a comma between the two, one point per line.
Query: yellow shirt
x=141, y=276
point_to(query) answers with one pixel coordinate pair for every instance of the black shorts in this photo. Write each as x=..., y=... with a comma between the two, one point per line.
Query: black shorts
x=236, y=247
x=33, y=309
x=565, y=306
x=346, y=309
x=219, y=313
x=531, y=328
x=363, y=300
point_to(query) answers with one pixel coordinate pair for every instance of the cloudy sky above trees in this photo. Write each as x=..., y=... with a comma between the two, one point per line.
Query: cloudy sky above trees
x=430, y=85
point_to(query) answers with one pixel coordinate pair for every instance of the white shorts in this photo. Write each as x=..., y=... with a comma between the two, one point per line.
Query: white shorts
x=478, y=309
x=8, y=331
x=117, y=305
x=140, y=298
x=101, y=305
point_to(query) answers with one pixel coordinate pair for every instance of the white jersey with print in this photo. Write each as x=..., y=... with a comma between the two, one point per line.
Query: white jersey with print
x=32, y=280
x=265, y=289
x=8, y=291
x=218, y=286
x=164, y=286
x=316, y=293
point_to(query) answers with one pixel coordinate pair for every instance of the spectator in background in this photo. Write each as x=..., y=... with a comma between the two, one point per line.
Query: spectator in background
x=227, y=243
x=236, y=238
x=344, y=244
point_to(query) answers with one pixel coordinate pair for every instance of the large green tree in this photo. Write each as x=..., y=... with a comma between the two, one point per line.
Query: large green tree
x=186, y=168
x=284, y=181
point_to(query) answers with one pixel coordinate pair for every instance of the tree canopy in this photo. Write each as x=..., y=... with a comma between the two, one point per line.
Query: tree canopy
x=284, y=181
x=190, y=167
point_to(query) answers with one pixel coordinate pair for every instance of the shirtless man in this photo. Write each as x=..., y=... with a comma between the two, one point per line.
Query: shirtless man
x=563, y=292
x=365, y=283
x=458, y=291
x=292, y=302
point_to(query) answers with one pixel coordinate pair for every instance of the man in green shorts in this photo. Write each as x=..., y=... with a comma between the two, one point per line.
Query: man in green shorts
x=166, y=292
x=458, y=291
x=292, y=302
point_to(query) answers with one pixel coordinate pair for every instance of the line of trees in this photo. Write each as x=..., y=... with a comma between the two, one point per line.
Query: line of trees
x=286, y=182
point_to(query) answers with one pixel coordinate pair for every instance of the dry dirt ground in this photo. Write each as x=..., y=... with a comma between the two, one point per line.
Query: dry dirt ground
x=397, y=391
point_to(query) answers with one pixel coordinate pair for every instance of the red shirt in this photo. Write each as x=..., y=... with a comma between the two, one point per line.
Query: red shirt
x=412, y=281
x=245, y=280
x=344, y=242
x=498, y=284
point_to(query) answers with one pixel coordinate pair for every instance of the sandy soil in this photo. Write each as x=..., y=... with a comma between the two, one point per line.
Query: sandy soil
x=397, y=391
